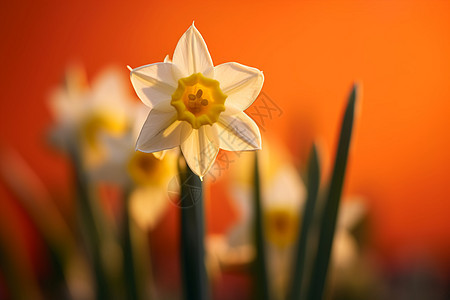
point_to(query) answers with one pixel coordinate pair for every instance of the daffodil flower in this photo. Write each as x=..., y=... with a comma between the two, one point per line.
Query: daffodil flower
x=145, y=176
x=282, y=196
x=83, y=114
x=197, y=106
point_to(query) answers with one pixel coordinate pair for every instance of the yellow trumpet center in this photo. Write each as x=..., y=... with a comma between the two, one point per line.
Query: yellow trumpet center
x=198, y=100
x=115, y=124
x=145, y=169
x=101, y=121
x=281, y=226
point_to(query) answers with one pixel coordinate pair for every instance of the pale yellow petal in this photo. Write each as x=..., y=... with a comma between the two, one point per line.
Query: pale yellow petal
x=237, y=132
x=200, y=150
x=109, y=88
x=240, y=83
x=191, y=54
x=162, y=131
x=351, y=212
x=148, y=205
x=154, y=84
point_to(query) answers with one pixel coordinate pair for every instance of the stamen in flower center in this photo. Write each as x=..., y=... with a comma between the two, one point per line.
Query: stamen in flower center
x=198, y=100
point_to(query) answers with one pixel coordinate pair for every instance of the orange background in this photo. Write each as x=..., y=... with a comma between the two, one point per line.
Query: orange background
x=310, y=52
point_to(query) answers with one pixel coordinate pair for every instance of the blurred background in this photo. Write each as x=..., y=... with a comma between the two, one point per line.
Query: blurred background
x=310, y=52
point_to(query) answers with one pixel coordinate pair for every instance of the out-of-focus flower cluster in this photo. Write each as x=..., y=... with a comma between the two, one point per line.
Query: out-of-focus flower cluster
x=100, y=125
x=283, y=196
x=101, y=250
x=118, y=194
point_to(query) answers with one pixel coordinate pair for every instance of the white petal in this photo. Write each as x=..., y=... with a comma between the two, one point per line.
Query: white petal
x=200, y=150
x=344, y=250
x=212, y=134
x=191, y=54
x=140, y=115
x=109, y=87
x=148, y=205
x=66, y=107
x=237, y=132
x=350, y=213
x=154, y=84
x=285, y=188
x=162, y=131
x=240, y=83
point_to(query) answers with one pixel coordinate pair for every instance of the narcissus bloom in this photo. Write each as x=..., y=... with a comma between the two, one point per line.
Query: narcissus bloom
x=145, y=176
x=197, y=106
x=282, y=196
x=84, y=114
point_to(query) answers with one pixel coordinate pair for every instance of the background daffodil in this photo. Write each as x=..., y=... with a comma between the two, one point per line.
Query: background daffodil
x=144, y=176
x=282, y=195
x=197, y=106
x=85, y=114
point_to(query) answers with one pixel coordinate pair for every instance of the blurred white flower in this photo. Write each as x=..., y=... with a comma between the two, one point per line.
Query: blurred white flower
x=102, y=123
x=145, y=176
x=283, y=195
x=197, y=106
x=345, y=247
x=84, y=114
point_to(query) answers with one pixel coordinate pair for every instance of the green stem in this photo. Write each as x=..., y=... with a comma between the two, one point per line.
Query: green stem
x=127, y=245
x=193, y=270
x=261, y=286
x=93, y=238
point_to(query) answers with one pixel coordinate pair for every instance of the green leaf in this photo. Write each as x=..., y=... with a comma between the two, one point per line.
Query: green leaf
x=261, y=286
x=193, y=270
x=297, y=291
x=331, y=204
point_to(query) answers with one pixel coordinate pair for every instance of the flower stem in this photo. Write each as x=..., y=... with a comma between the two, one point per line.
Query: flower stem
x=127, y=246
x=261, y=287
x=87, y=215
x=193, y=270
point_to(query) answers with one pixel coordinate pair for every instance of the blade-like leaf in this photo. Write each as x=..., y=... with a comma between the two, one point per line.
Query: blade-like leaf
x=299, y=270
x=194, y=278
x=331, y=204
